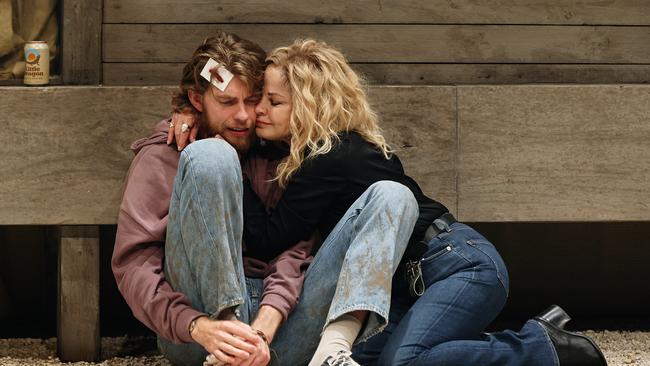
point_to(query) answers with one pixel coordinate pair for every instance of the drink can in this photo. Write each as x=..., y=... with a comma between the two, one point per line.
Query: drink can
x=37, y=63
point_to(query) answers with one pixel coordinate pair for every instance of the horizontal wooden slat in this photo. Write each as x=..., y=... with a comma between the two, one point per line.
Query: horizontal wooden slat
x=142, y=73
x=527, y=153
x=398, y=43
x=65, y=149
x=622, y=12
x=54, y=80
x=418, y=74
x=564, y=153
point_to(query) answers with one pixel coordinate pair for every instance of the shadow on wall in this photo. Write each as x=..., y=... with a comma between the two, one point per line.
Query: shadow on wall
x=5, y=310
x=28, y=271
x=596, y=271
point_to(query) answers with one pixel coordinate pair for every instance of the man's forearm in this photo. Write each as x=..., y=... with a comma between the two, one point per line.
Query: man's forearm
x=268, y=320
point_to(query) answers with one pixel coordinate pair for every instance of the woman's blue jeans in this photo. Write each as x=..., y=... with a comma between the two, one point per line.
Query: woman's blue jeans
x=466, y=285
x=353, y=269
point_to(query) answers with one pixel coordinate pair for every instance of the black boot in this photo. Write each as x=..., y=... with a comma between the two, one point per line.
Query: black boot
x=572, y=349
x=554, y=315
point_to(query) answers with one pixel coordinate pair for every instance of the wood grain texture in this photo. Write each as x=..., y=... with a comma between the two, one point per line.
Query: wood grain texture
x=418, y=74
x=542, y=153
x=397, y=43
x=527, y=153
x=81, y=42
x=67, y=148
x=78, y=298
x=620, y=12
x=420, y=125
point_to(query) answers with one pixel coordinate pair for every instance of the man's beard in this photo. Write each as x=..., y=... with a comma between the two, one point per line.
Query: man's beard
x=240, y=144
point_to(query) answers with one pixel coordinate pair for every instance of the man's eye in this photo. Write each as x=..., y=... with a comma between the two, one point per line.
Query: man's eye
x=228, y=102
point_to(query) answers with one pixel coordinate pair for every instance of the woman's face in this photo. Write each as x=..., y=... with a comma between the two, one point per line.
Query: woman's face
x=274, y=109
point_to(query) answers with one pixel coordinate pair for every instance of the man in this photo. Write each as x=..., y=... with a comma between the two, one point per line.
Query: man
x=200, y=302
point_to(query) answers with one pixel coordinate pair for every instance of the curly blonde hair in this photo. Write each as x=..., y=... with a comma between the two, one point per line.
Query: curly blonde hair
x=242, y=57
x=327, y=97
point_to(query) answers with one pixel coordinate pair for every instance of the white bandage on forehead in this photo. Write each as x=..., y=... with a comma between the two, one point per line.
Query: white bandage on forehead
x=226, y=75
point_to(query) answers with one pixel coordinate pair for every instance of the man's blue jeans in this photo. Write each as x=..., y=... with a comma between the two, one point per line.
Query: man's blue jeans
x=353, y=269
x=466, y=285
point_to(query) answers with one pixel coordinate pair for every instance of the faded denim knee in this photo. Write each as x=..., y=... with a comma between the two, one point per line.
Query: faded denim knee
x=398, y=195
x=210, y=160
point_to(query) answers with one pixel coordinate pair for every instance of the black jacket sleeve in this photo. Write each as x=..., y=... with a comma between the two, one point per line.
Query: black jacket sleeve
x=309, y=194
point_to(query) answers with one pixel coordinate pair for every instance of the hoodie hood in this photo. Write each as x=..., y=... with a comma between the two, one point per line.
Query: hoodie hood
x=158, y=136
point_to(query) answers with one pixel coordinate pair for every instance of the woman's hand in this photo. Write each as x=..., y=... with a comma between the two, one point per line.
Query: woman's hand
x=183, y=127
x=229, y=341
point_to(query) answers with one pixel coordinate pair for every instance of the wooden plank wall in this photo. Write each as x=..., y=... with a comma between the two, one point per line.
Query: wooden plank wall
x=73, y=176
x=81, y=42
x=490, y=153
x=396, y=42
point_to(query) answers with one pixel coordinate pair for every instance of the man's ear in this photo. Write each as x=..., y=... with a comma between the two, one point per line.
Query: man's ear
x=196, y=99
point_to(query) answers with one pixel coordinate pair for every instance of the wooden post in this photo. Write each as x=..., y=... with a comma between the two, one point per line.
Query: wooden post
x=81, y=40
x=78, y=298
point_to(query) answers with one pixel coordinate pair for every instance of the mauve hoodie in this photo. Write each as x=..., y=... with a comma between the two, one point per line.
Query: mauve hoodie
x=139, y=245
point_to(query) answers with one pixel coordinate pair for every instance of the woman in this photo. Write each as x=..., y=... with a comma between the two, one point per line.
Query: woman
x=314, y=103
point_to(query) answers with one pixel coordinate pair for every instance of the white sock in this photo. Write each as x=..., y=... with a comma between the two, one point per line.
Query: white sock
x=337, y=336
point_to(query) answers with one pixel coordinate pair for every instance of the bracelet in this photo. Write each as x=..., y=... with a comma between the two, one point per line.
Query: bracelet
x=262, y=335
x=192, y=325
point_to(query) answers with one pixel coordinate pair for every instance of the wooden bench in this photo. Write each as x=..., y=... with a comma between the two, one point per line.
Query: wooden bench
x=490, y=153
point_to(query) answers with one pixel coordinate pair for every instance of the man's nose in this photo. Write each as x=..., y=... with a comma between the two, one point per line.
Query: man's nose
x=242, y=114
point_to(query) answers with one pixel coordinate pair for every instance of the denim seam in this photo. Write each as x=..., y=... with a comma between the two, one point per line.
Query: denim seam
x=459, y=252
x=316, y=257
x=212, y=239
x=413, y=354
x=439, y=253
x=547, y=337
x=496, y=268
x=254, y=290
x=366, y=307
x=194, y=192
x=185, y=254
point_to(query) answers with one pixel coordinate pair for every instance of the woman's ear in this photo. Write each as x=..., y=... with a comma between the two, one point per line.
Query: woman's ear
x=196, y=99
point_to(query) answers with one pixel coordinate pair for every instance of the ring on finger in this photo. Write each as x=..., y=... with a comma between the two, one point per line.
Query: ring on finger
x=185, y=127
x=171, y=124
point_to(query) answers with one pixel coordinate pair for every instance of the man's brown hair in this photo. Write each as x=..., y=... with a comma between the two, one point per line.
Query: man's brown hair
x=241, y=57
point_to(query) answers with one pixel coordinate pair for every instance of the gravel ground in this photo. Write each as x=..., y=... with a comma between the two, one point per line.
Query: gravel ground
x=620, y=348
